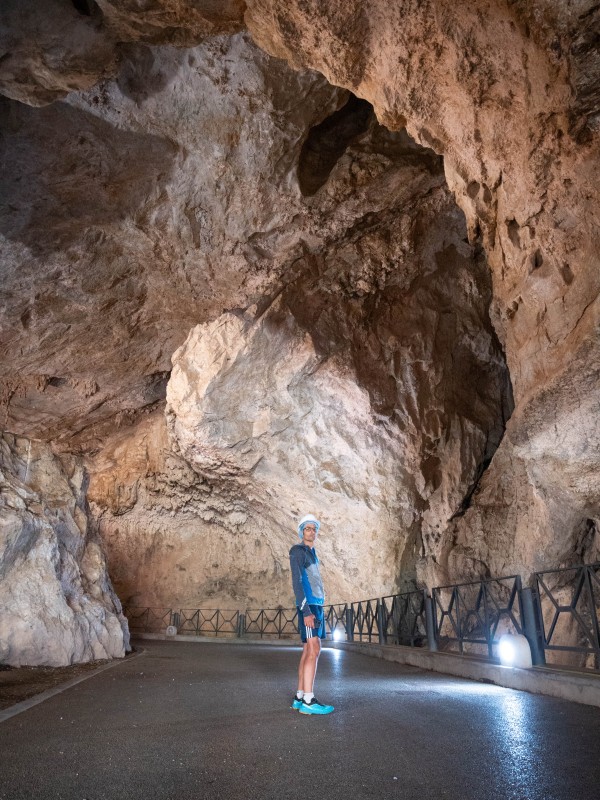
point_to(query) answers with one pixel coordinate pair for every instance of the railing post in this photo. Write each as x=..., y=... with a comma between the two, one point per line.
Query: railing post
x=380, y=622
x=350, y=623
x=593, y=615
x=241, y=625
x=430, y=624
x=488, y=627
x=456, y=595
x=532, y=626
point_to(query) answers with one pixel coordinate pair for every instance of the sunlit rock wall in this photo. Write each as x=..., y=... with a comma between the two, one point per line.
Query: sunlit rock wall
x=176, y=188
x=367, y=386
x=57, y=605
x=508, y=93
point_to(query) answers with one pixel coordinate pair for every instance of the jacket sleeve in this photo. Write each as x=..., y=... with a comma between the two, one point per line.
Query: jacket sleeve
x=297, y=565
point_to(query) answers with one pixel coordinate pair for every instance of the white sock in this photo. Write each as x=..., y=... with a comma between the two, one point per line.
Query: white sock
x=299, y=694
x=308, y=696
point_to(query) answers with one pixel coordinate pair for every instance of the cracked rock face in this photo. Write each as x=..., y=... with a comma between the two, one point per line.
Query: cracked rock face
x=345, y=321
x=57, y=604
x=125, y=222
x=348, y=389
x=508, y=93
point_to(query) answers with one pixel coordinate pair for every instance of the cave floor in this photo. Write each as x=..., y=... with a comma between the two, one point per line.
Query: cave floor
x=21, y=683
x=204, y=721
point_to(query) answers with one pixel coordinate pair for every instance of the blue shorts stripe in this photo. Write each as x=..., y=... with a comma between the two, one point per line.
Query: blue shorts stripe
x=319, y=631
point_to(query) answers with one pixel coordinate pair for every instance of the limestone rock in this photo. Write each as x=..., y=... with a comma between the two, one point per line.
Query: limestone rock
x=508, y=94
x=50, y=49
x=459, y=77
x=368, y=387
x=179, y=22
x=127, y=209
x=57, y=604
x=220, y=187
x=535, y=528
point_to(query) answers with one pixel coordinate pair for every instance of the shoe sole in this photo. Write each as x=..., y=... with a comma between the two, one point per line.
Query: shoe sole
x=315, y=713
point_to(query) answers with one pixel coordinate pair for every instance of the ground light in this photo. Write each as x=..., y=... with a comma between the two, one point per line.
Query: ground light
x=514, y=651
x=338, y=635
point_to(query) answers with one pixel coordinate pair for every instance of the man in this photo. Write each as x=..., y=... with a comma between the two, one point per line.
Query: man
x=310, y=597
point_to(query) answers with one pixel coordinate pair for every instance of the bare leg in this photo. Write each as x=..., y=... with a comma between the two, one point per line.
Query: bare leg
x=308, y=664
x=301, y=669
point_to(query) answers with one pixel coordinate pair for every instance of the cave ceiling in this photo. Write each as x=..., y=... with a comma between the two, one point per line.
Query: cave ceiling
x=391, y=208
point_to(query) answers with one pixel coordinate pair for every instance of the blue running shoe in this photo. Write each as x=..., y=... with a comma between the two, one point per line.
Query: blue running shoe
x=296, y=703
x=314, y=707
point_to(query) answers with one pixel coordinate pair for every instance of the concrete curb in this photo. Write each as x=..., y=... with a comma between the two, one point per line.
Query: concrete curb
x=578, y=687
x=24, y=705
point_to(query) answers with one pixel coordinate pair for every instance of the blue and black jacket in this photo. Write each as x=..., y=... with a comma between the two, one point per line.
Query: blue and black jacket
x=306, y=578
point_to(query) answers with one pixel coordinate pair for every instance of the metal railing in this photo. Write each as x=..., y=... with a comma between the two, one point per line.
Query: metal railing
x=336, y=620
x=404, y=619
x=208, y=622
x=472, y=616
x=190, y=622
x=569, y=602
x=559, y=615
x=148, y=620
x=365, y=622
x=280, y=622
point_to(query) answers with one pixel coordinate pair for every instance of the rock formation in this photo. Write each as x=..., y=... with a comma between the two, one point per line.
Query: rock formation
x=507, y=92
x=57, y=605
x=340, y=385
x=346, y=323
x=127, y=208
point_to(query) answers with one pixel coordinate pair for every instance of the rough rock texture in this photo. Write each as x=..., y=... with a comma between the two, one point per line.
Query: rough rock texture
x=50, y=48
x=367, y=385
x=179, y=22
x=216, y=187
x=507, y=92
x=47, y=51
x=125, y=221
x=57, y=605
x=508, y=502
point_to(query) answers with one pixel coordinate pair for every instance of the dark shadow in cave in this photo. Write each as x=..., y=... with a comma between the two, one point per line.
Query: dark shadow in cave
x=384, y=324
x=73, y=172
x=83, y=7
x=327, y=142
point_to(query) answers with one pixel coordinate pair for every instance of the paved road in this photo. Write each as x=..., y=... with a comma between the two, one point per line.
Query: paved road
x=211, y=721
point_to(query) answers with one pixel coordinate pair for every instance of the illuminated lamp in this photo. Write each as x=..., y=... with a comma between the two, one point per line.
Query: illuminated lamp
x=514, y=651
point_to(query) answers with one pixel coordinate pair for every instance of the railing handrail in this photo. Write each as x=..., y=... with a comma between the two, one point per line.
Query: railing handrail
x=400, y=617
x=476, y=583
x=595, y=565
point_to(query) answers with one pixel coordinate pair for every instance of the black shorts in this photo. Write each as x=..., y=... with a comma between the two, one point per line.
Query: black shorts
x=318, y=631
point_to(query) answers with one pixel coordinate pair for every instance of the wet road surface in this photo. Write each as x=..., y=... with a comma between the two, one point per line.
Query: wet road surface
x=211, y=721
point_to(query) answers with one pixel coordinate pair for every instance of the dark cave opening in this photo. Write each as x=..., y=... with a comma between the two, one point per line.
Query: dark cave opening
x=327, y=142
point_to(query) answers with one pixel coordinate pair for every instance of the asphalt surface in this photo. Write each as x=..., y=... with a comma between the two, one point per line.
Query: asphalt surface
x=208, y=721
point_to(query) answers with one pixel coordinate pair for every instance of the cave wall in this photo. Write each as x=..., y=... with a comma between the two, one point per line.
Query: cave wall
x=351, y=238
x=57, y=604
x=368, y=386
x=125, y=221
x=134, y=213
x=505, y=92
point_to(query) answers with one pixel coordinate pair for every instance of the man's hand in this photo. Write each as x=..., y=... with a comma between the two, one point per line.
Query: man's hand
x=309, y=621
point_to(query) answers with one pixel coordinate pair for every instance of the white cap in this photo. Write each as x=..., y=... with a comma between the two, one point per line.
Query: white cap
x=309, y=518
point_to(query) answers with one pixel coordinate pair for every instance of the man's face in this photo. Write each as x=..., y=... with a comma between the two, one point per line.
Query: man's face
x=309, y=533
